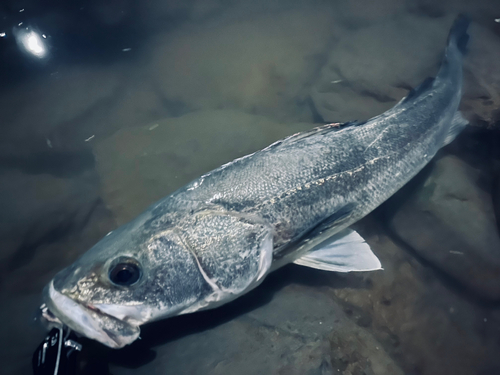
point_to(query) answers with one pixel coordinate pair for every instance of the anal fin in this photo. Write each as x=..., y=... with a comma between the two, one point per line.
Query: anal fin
x=344, y=252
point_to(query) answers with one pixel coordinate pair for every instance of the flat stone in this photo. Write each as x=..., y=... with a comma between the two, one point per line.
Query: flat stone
x=300, y=331
x=370, y=69
x=450, y=221
x=222, y=64
x=425, y=325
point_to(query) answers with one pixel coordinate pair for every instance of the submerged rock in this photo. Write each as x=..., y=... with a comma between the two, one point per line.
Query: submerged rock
x=138, y=166
x=261, y=64
x=424, y=325
x=481, y=101
x=34, y=111
x=300, y=331
x=37, y=210
x=449, y=220
x=371, y=68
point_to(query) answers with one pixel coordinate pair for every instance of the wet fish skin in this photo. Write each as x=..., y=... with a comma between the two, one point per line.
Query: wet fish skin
x=219, y=236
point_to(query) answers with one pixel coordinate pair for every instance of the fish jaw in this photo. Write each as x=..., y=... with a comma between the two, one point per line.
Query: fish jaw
x=89, y=321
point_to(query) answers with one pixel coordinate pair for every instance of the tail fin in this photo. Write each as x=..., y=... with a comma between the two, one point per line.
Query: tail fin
x=458, y=34
x=451, y=66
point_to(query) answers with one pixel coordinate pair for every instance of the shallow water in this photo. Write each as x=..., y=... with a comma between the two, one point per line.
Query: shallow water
x=118, y=104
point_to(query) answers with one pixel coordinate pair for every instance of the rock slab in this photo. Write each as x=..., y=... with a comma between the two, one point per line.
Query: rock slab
x=450, y=221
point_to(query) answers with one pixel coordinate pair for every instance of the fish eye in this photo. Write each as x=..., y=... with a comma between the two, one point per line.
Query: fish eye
x=124, y=272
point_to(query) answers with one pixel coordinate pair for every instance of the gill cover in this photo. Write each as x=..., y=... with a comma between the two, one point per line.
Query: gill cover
x=233, y=253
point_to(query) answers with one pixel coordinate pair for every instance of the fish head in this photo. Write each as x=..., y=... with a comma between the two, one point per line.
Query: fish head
x=134, y=275
x=144, y=272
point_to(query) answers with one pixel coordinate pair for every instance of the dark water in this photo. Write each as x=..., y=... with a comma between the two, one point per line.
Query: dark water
x=109, y=106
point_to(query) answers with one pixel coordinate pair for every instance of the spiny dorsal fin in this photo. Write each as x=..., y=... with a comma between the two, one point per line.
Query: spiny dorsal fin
x=315, y=131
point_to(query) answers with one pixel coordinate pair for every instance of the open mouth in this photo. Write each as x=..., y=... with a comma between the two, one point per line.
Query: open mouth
x=88, y=320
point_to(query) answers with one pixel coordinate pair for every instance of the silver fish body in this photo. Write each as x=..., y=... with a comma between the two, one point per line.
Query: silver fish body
x=219, y=236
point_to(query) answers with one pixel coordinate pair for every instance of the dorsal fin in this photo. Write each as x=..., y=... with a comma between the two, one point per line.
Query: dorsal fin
x=315, y=131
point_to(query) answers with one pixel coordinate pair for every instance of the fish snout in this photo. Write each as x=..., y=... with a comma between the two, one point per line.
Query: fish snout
x=88, y=320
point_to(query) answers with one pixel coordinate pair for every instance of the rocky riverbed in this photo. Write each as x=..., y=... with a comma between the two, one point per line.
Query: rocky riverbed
x=88, y=145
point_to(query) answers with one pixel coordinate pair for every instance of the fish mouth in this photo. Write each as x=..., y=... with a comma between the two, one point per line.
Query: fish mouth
x=90, y=321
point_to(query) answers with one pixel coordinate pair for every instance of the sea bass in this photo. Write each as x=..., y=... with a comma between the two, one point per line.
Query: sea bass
x=292, y=202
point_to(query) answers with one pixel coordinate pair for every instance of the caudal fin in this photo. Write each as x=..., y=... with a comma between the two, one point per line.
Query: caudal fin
x=451, y=69
x=451, y=66
x=458, y=34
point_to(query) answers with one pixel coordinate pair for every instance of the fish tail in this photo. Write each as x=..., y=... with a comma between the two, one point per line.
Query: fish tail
x=451, y=69
x=456, y=49
x=458, y=37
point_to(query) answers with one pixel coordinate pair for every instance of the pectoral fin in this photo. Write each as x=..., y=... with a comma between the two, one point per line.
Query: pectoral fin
x=344, y=252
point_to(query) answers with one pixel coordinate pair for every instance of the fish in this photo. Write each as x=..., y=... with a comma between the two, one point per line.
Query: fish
x=219, y=236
